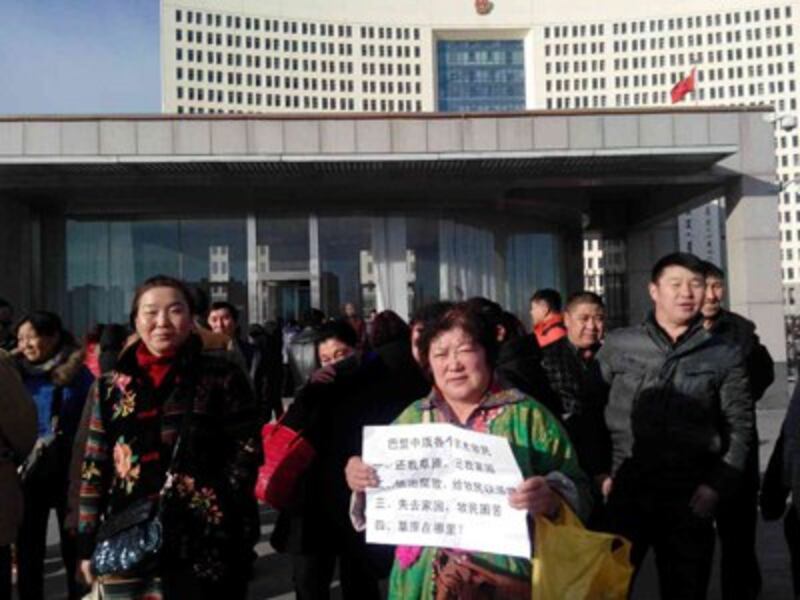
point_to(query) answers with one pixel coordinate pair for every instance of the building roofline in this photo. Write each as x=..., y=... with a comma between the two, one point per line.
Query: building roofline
x=315, y=116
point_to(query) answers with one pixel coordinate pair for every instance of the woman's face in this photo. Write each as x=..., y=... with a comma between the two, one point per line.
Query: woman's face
x=35, y=348
x=163, y=320
x=459, y=367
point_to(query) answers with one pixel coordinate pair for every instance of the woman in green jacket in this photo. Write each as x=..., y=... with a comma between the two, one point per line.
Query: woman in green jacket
x=459, y=351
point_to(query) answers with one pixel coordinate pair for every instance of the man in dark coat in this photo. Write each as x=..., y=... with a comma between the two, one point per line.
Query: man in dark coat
x=574, y=374
x=681, y=420
x=737, y=515
x=519, y=360
x=350, y=390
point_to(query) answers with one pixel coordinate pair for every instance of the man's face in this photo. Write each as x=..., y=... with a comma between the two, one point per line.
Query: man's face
x=715, y=293
x=221, y=321
x=349, y=310
x=677, y=295
x=539, y=311
x=332, y=351
x=585, y=324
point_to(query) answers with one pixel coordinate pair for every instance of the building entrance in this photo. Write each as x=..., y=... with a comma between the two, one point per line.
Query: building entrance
x=284, y=299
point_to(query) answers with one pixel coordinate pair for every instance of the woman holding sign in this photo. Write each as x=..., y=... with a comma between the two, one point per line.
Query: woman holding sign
x=459, y=351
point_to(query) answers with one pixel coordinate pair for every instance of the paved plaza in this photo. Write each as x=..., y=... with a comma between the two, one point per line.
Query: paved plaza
x=273, y=578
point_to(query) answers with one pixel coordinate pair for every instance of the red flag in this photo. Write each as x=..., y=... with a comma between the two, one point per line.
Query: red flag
x=683, y=87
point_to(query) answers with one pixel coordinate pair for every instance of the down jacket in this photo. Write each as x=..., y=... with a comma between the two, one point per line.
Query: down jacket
x=680, y=414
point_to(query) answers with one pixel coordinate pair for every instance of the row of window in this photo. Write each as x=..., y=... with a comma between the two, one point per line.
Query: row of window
x=304, y=46
x=637, y=45
x=577, y=102
x=716, y=20
x=237, y=59
x=305, y=102
x=239, y=78
x=293, y=27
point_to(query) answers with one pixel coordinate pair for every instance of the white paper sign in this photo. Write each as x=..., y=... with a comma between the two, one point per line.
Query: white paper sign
x=445, y=486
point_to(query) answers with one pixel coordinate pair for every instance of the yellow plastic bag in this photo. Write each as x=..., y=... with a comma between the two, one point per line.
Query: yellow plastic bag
x=572, y=563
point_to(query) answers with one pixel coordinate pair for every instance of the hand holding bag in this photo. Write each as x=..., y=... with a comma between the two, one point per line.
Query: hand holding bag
x=129, y=541
x=570, y=561
x=287, y=455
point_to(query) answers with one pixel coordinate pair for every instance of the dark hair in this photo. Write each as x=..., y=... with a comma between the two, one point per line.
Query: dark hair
x=430, y=312
x=549, y=296
x=513, y=326
x=161, y=281
x=712, y=270
x=6, y=304
x=43, y=322
x=583, y=297
x=313, y=317
x=222, y=305
x=677, y=259
x=92, y=336
x=340, y=330
x=472, y=321
x=387, y=326
x=200, y=298
x=488, y=308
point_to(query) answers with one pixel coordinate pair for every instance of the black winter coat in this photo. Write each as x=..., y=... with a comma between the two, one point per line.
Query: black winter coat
x=679, y=414
x=742, y=332
x=373, y=391
x=519, y=364
x=583, y=397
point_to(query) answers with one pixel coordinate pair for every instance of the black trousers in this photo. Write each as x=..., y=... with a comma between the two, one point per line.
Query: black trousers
x=313, y=574
x=32, y=540
x=736, y=518
x=5, y=572
x=683, y=543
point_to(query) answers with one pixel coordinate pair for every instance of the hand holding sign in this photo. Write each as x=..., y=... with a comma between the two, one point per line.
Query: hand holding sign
x=441, y=485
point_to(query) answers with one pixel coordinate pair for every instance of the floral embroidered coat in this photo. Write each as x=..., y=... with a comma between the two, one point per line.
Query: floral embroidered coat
x=209, y=514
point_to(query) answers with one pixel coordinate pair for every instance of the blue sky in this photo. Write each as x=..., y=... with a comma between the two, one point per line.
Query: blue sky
x=79, y=56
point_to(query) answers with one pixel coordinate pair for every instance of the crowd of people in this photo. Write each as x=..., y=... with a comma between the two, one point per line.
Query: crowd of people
x=647, y=432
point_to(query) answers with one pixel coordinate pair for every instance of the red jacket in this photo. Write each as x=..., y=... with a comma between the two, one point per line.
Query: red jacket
x=550, y=330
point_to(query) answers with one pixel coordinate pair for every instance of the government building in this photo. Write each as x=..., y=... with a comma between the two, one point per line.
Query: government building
x=390, y=154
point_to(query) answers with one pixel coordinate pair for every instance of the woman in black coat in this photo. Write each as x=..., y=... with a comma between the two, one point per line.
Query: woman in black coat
x=165, y=392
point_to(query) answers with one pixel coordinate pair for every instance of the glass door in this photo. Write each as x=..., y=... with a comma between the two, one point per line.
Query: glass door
x=285, y=300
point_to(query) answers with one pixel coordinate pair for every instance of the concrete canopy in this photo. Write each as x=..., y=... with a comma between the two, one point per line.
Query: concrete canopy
x=616, y=173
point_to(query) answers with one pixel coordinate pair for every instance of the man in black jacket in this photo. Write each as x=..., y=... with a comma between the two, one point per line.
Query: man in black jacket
x=737, y=515
x=681, y=420
x=574, y=374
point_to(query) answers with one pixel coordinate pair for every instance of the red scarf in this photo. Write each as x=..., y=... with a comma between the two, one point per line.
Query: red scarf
x=155, y=367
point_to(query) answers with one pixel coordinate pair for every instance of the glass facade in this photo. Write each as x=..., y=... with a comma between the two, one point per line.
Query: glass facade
x=106, y=260
x=480, y=75
x=278, y=267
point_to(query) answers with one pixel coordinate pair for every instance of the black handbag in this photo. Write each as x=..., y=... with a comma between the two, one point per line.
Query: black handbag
x=129, y=542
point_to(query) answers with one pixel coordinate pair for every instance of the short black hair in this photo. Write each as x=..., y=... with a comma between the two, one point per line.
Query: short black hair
x=387, y=327
x=583, y=297
x=677, y=259
x=338, y=329
x=6, y=304
x=223, y=305
x=712, y=270
x=430, y=312
x=488, y=308
x=549, y=296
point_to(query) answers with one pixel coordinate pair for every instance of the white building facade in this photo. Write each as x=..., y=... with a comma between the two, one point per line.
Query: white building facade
x=243, y=56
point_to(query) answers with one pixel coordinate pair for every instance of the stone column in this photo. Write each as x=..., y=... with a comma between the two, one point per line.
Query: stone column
x=754, y=275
